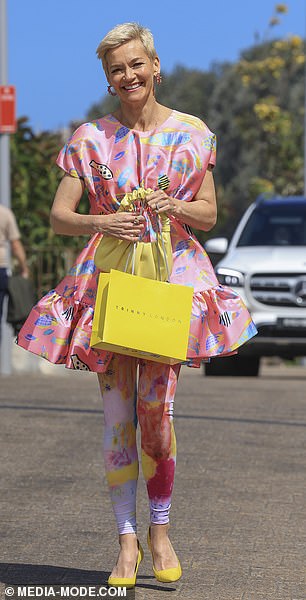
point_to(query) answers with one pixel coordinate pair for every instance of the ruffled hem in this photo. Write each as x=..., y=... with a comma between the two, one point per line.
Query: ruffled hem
x=220, y=324
x=59, y=329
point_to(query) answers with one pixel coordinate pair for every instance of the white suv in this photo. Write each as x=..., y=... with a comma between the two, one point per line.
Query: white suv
x=265, y=263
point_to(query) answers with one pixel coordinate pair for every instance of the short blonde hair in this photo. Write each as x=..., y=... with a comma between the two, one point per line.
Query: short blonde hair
x=125, y=33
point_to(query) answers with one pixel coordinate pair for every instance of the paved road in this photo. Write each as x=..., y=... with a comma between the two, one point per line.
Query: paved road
x=239, y=510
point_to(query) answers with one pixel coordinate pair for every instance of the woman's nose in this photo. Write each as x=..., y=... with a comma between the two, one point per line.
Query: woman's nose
x=129, y=73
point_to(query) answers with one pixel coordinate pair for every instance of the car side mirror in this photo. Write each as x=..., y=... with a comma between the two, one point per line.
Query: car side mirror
x=216, y=245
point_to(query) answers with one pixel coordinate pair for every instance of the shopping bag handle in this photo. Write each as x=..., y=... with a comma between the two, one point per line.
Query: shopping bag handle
x=127, y=204
x=159, y=233
x=133, y=252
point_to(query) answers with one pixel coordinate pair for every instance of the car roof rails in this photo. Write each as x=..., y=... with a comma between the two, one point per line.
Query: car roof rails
x=269, y=198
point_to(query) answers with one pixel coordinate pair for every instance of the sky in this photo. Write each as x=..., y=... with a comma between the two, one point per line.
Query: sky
x=52, y=44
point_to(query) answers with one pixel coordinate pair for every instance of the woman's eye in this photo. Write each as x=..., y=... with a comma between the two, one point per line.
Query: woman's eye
x=138, y=64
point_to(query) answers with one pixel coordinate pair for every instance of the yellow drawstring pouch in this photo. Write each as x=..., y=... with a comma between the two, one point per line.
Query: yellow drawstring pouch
x=152, y=260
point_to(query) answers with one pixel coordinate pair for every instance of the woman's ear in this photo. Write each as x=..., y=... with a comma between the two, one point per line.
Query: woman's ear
x=156, y=64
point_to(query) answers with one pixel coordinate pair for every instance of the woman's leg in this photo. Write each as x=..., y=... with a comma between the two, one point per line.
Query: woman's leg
x=120, y=454
x=157, y=386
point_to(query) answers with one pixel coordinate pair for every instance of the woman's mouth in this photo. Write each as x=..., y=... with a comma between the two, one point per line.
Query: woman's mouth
x=132, y=87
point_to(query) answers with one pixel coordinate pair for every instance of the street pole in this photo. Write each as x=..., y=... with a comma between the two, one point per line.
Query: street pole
x=5, y=191
x=305, y=102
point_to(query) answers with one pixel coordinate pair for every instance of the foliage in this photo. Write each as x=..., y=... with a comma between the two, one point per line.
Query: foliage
x=257, y=110
x=35, y=178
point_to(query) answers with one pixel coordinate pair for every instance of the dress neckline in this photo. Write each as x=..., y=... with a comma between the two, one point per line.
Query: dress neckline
x=139, y=131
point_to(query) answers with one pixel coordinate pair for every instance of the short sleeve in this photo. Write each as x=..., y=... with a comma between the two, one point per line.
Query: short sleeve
x=13, y=232
x=71, y=156
x=209, y=148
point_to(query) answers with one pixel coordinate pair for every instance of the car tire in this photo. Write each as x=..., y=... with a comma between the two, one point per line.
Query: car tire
x=233, y=366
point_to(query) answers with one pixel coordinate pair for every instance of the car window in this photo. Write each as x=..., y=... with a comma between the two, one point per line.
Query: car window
x=275, y=226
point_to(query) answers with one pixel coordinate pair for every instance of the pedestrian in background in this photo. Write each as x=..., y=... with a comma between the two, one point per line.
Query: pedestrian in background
x=9, y=234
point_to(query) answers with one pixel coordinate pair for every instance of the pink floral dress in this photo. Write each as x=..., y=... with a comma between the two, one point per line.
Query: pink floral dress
x=113, y=160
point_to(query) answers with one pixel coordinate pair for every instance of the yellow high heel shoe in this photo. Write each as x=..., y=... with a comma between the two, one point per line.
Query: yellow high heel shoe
x=128, y=582
x=165, y=575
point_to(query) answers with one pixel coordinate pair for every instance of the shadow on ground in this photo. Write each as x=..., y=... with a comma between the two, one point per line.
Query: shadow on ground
x=40, y=575
x=28, y=574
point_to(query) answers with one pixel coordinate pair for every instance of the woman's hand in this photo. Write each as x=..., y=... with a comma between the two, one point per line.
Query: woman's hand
x=127, y=226
x=200, y=212
x=160, y=202
x=66, y=221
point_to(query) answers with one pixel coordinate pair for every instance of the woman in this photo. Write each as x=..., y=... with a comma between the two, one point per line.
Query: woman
x=143, y=144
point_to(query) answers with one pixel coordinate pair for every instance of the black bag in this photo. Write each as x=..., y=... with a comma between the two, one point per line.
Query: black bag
x=21, y=300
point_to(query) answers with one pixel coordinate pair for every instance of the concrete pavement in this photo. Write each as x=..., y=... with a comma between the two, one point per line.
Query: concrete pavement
x=239, y=511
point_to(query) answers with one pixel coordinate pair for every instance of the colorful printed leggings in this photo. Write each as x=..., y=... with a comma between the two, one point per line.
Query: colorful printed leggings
x=153, y=409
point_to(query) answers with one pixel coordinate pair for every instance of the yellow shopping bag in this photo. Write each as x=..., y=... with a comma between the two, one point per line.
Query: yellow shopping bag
x=142, y=317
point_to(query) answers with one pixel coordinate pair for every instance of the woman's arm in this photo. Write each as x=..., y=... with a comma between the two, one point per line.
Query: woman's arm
x=66, y=221
x=200, y=213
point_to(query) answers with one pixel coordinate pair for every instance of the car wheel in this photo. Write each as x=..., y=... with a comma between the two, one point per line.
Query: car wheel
x=233, y=366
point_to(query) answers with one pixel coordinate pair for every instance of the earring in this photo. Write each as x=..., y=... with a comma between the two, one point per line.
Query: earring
x=111, y=91
x=158, y=78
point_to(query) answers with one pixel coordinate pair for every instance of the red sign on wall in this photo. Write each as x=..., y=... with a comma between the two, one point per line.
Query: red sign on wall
x=7, y=109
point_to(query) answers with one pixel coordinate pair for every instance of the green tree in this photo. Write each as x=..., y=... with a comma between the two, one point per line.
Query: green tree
x=34, y=180
x=277, y=113
x=35, y=177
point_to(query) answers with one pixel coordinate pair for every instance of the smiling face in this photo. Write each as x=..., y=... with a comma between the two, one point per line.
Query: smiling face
x=131, y=71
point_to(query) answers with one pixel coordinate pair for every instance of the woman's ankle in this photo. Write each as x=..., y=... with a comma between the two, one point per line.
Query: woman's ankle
x=127, y=539
x=159, y=530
